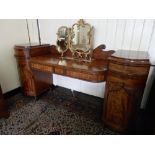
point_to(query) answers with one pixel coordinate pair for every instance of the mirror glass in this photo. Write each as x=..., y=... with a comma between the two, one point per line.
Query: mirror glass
x=62, y=40
x=81, y=37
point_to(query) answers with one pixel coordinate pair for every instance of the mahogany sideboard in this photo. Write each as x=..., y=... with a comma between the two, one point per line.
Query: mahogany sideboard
x=125, y=73
x=125, y=83
x=3, y=107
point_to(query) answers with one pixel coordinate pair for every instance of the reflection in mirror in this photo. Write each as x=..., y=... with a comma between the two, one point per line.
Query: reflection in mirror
x=62, y=40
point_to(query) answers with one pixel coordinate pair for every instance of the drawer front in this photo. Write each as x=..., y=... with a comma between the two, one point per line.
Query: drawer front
x=135, y=70
x=127, y=80
x=59, y=70
x=42, y=68
x=84, y=76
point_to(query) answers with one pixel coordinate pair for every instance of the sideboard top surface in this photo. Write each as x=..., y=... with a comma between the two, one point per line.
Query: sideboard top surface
x=131, y=54
x=130, y=57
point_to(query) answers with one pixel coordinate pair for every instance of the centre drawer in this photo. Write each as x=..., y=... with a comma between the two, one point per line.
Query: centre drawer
x=59, y=70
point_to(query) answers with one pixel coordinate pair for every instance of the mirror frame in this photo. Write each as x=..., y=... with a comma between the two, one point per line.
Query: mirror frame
x=77, y=52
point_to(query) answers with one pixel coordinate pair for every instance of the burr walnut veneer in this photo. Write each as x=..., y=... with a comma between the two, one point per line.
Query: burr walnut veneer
x=125, y=83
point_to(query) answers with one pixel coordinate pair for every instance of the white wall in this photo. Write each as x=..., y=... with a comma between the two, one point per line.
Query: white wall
x=11, y=32
x=115, y=34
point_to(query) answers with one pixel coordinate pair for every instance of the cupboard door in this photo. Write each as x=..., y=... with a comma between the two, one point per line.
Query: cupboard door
x=121, y=105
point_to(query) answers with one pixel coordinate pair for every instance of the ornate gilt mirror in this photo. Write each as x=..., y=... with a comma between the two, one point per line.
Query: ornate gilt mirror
x=81, y=39
x=78, y=39
x=62, y=40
